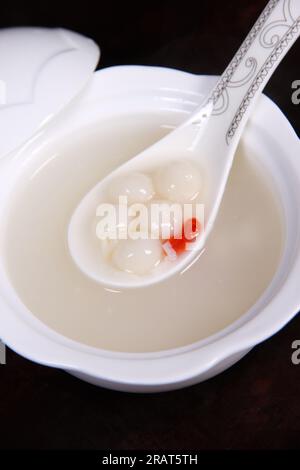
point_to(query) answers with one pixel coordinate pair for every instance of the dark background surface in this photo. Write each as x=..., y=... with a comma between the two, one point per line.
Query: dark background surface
x=254, y=405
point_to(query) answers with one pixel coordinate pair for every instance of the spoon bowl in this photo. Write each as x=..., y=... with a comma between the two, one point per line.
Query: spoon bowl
x=172, y=147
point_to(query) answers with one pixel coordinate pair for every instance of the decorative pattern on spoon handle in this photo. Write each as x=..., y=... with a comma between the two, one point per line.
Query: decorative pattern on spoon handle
x=220, y=88
x=261, y=76
x=275, y=31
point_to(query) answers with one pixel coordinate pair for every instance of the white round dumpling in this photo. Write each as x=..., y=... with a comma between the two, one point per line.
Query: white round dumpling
x=165, y=218
x=137, y=256
x=136, y=186
x=179, y=181
x=107, y=245
x=113, y=223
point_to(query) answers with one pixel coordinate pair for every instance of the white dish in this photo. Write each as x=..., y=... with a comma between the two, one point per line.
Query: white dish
x=120, y=91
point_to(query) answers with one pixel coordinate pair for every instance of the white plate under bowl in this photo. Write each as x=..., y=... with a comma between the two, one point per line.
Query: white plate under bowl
x=125, y=90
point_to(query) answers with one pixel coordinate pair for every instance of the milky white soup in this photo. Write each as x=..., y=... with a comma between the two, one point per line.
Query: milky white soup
x=239, y=261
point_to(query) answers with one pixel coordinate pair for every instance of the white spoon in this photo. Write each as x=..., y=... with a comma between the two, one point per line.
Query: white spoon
x=209, y=137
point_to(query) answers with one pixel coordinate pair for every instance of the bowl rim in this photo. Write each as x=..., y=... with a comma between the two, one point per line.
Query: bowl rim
x=179, y=364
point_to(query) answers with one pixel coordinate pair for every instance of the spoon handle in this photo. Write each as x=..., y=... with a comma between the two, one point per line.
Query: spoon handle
x=236, y=91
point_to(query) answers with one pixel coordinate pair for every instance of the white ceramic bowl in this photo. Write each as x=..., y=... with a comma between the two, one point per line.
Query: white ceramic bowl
x=119, y=91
